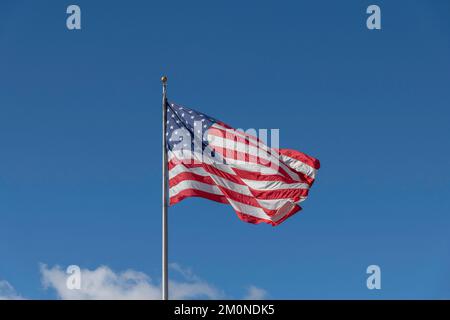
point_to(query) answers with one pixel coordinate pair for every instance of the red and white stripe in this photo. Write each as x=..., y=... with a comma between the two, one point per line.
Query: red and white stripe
x=260, y=183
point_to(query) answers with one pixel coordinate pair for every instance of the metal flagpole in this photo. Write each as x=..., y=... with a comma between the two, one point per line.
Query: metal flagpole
x=165, y=279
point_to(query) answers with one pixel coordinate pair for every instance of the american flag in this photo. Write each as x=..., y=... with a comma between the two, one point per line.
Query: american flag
x=209, y=159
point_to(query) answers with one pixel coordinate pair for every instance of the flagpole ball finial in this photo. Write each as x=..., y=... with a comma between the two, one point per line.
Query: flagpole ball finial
x=164, y=79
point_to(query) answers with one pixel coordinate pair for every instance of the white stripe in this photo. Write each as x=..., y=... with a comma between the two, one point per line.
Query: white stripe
x=239, y=188
x=235, y=132
x=250, y=210
x=247, y=166
x=299, y=166
x=221, y=181
x=197, y=158
x=191, y=184
x=181, y=168
x=254, y=211
x=274, y=185
x=273, y=204
x=253, y=167
x=184, y=156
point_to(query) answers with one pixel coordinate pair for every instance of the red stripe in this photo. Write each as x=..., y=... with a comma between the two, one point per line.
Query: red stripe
x=239, y=174
x=303, y=177
x=212, y=170
x=232, y=135
x=249, y=136
x=296, y=209
x=188, y=164
x=245, y=199
x=197, y=193
x=222, y=174
x=300, y=156
x=254, y=220
x=250, y=175
x=190, y=176
x=293, y=194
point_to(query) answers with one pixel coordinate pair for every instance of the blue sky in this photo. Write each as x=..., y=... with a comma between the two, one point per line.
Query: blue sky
x=80, y=141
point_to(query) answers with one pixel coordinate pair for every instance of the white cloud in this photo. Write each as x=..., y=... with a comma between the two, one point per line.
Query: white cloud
x=101, y=283
x=255, y=293
x=185, y=272
x=104, y=283
x=7, y=292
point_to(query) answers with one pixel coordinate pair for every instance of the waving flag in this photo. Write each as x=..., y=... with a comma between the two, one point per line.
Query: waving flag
x=209, y=159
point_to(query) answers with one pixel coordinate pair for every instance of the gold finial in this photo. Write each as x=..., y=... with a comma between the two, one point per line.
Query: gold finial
x=164, y=79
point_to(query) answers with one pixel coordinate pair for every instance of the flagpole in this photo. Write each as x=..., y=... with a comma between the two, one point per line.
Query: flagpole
x=165, y=279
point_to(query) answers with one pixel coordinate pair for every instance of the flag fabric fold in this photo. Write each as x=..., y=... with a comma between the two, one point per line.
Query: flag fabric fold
x=209, y=159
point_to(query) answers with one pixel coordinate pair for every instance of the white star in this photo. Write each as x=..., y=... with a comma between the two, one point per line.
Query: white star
x=182, y=115
x=171, y=127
